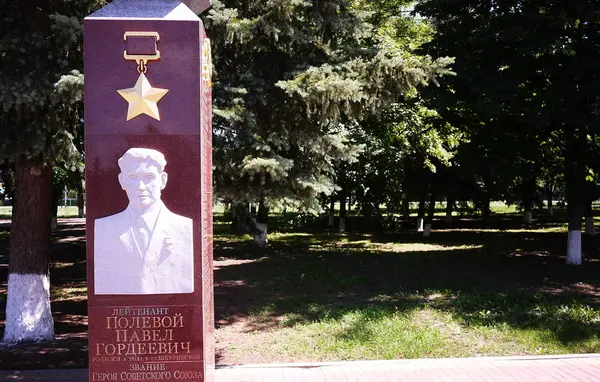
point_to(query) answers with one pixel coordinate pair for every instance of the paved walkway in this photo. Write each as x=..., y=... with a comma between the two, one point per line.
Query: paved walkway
x=563, y=368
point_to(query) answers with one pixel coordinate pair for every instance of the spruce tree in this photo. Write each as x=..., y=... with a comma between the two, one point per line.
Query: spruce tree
x=41, y=90
x=292, y=78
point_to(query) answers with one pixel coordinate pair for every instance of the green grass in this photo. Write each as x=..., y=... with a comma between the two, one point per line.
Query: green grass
x=422, y=332
x=5, y=212
x=469, y=290
x=63, y=212
x=475, y=326
x=465, y=292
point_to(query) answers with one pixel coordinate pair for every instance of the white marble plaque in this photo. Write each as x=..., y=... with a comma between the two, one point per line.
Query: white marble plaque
x=145, y=249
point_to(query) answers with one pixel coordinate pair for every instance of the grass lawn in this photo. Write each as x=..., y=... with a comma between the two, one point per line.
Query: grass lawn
x=466, y=292
x=63, y=212
x=470, y=290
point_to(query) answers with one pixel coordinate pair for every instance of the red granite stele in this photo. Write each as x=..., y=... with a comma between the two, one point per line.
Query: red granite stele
x=159, y=337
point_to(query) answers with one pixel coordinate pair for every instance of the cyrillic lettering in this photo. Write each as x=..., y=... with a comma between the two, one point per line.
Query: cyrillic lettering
x=120, y=322
x=178, y=321
x=121, y=335
x=169, y=323
x=109, y=321
x=185, y=346
x=134, y=337
x=142, y=349
x=112, y=350
x=130, y=350
x=146, y=335
x=168, y=335
x=162, y=348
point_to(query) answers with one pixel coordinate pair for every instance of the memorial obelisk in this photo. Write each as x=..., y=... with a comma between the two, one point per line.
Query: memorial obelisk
x=148, y=144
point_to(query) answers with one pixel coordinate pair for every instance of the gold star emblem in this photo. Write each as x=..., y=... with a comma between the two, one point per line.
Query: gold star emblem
x=142, y=98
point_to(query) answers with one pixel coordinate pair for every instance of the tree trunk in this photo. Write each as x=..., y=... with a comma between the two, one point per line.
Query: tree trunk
x=260, y=229
x=550, y=206
x=575, y=177
x=54, y=220
x=28, y=314
x=528, y=217
x=241, y=221
x=57, y=193
x=421, y=212
x=430, y=214
x=342, y=221
x=590, y=229
x=449, y=208
x=485, y=209
x=527, y=210
x=575, y=210
x=80, y=200
x=528, y=191
x=331, y=222
x=406, y=208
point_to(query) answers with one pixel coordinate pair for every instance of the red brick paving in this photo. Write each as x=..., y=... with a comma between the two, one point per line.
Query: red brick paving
x=571, y=368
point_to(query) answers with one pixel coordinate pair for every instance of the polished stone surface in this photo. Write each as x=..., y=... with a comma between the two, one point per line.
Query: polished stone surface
x=149, y=9
x=131, y=335
x=177, y=70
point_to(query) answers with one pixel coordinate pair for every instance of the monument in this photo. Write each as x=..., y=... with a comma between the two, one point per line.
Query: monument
x=148, y=140
x=145, y=249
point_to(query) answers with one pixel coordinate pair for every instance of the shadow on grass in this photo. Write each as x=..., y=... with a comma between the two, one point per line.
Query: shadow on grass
x=516, y=278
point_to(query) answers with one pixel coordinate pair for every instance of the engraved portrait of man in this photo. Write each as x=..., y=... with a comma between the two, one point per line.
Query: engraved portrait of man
x=145, y=249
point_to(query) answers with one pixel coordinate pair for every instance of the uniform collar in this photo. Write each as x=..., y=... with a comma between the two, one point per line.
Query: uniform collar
x=148, y=217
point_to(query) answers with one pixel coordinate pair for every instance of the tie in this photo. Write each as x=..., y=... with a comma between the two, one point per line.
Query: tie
x=141, y=235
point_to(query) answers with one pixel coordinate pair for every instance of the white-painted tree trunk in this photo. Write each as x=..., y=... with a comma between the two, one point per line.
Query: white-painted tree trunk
x=574, y=248
x=590, y=228
x=420, y=222
x=427, y=230
x=28, y=314
x=342, y=225
x=260, y=237
x=54, y=223
x=528, y=217
x=551, y=211
x=331, y=222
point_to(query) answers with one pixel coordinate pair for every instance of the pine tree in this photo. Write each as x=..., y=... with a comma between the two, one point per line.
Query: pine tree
x=41, y=90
